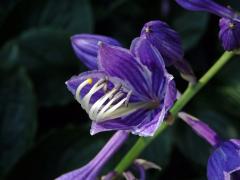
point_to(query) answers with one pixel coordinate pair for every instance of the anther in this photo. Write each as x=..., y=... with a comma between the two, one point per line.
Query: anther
x=128, y=97
x=100, y=43
x=147, y=29
x=231, y=25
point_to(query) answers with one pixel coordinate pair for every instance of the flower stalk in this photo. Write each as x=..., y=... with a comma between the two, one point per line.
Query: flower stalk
x=189, y=93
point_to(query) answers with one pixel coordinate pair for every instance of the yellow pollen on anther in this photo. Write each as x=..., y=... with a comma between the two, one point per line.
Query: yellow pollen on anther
x=89, y=80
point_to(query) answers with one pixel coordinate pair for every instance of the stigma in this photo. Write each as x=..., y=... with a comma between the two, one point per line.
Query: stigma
x=113, y=103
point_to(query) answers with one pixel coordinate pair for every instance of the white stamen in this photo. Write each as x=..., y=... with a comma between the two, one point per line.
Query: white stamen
x=82, y=85
x=116, y=97
x=86, y=100
x=99, y=103
x=102, y=109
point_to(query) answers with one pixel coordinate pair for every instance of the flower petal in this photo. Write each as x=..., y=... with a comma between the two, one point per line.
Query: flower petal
x=209, y=6
x=224, y=163
x=150, y=57
x=147, y=54
x=86, y=47
x=171, y=94
x=201, y=128
x=75, y=81
x=119, y=62
x=91, y=170
x=124, y=123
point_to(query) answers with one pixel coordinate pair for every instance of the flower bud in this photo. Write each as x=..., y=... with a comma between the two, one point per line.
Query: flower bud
x=86, y=47
x=167, y=41
x=229, y=34
x=209, y=6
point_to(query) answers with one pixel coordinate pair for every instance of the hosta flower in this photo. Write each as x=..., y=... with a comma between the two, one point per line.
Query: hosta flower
x=86, y=47
x=92, y=169
x=168, y=42
x=159, y=34
x=127, y=92
x=224, y=162
x=229, y=23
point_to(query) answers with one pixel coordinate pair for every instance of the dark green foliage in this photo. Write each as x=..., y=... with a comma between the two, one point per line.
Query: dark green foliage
x=44, y=132
x=18, y=117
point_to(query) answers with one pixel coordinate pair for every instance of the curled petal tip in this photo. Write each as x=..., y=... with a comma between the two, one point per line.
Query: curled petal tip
x=201, y=128
x=147, y=164
x=190, y=78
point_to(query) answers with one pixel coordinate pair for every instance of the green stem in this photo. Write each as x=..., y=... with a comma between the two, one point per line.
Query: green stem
x=189, y=93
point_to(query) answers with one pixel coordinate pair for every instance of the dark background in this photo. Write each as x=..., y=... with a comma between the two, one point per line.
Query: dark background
x=43, y=130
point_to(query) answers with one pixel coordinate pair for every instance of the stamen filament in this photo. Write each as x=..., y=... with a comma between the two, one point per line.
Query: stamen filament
x=101, y=110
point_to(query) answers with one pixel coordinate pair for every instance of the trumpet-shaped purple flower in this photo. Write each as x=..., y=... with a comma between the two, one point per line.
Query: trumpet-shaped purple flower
x=92, y=169
x=127, y=92
x=168, y=42
x=224, y=162
x=86, y=47
x=229, y=23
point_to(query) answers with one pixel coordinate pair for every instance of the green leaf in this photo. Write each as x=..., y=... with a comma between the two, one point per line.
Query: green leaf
x=160, y=149
x=59, y=152
x=17, y=118
x=73, y=16
x=191, y=27
x=49, y=60
x=6, y=7
x=229, y=88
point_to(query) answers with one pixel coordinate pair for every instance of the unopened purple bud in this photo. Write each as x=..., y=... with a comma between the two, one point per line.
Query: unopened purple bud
x=209, y=6
x=229, y=34
x=168, y=42
x=86, y=47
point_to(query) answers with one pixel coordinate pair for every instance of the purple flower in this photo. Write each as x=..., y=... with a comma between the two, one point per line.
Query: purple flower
x=224, y=162
x=229, y=34
x=86, y=47
x=168, y=42
x=229, y=23
x=127, y=92
x=92, y=169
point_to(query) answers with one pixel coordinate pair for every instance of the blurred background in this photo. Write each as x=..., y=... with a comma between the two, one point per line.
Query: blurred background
x=43, y=130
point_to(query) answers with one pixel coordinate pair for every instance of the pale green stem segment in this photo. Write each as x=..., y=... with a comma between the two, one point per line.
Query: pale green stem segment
x=188, y=94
